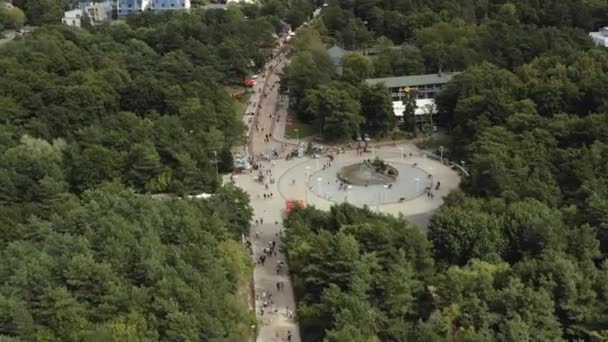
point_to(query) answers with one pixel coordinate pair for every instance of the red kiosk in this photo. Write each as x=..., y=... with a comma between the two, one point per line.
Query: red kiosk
x=291, y=205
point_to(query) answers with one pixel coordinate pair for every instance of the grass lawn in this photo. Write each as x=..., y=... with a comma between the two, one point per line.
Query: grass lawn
x=305, y=130
x=241, y=101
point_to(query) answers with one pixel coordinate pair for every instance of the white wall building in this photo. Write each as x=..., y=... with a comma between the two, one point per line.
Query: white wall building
x=164, y=5
x=600, y=38
x=423, y=107
x=72, y=18
x=126, y=7
x=96, y=12
x=99, y=12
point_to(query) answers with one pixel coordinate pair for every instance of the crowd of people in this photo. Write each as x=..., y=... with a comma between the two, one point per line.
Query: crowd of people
x=272, y=301
x=271, y=256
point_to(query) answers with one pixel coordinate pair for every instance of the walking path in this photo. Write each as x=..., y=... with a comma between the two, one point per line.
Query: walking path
x=9, y=35
x=274, y=298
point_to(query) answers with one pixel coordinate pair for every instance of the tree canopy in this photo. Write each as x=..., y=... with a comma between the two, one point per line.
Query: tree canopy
x=92, y=124
x=519, y=253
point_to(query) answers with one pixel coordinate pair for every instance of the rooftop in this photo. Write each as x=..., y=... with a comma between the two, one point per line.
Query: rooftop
x=601, y=37
x=336, y=52
x=214, y=6
x=413, y=80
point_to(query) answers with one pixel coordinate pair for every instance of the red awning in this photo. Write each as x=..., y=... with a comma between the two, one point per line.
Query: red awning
x=291, y=205
x=249, y=82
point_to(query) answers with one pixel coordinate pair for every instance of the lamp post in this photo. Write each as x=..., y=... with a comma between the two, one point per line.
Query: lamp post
x=348, y=187
x=215, y=161
x=441, y=153
x=319, y=180
x=306, y=184
x=297, y=130
x=417, y=184
x=402, y=154
x=306, y=190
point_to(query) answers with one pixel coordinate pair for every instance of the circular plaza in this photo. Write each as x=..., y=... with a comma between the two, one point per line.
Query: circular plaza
x=405, y=182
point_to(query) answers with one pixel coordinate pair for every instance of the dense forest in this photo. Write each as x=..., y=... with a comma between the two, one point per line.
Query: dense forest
x=10, y=17
x=489, y=270
x=143, y=102
x=115, y=266
x=519, y=254
x=415, y=37
x=91, y=121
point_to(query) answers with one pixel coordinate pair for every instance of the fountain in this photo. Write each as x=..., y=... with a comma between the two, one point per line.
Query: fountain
x=368, y=173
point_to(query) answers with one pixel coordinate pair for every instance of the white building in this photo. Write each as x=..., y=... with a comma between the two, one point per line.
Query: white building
x=99, y=12
x=164, y=5
x=423, y=114
x=423, y=107
x=600, y=38
x=126, y=7
x=72, y=18
x=95, y=12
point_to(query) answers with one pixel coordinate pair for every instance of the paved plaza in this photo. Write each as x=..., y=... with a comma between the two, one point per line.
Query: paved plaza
x=299, y=180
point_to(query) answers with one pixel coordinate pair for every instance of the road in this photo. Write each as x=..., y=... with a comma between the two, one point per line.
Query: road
x=9, y=35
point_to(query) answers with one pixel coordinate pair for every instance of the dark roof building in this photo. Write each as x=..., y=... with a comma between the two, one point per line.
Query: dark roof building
x=336, y=54
x=214, y=7
x=426, y=86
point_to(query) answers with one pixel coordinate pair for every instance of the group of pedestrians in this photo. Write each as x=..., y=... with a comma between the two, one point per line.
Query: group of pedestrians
x=273, y=304
x=265, y=299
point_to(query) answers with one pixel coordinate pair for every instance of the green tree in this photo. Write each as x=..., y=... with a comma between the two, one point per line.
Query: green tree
x=306, y=71
x=144, y=164
x=377, y=109
x=337, y=112
x=94, y=165
x=530, y=228
x=357, y=67
x=459, y=235
x=11, y=17
x=409, y=113
x=44, y=11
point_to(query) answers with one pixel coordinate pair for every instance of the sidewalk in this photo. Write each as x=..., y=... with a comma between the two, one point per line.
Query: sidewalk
x=275, y=314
